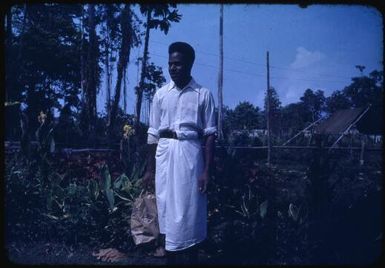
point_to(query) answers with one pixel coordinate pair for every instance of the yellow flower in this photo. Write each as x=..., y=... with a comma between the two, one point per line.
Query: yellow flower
x=41, y=117
x=127, y=128
x=11, y=103
x=128, y=131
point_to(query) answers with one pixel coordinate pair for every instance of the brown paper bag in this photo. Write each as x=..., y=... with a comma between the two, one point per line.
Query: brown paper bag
x=144, y=219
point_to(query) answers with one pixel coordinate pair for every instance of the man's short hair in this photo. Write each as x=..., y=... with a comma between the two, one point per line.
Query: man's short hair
x=183, y=48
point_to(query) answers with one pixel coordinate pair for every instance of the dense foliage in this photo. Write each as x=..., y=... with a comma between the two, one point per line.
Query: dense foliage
x=55, y=58
x=305, y=209
x=89, y=43
x=286, y=121
x=73, y=199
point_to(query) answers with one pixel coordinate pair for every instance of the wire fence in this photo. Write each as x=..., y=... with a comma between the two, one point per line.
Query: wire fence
x=15, y=145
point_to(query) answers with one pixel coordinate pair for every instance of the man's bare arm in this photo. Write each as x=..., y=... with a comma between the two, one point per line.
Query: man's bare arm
x=209, y=159
x=149, y=175
x=209, y=152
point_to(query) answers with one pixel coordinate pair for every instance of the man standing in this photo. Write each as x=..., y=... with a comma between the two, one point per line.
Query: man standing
x=182, y=119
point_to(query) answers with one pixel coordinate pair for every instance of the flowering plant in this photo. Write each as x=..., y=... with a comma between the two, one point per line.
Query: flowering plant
x=128, y=131
x=41, y=117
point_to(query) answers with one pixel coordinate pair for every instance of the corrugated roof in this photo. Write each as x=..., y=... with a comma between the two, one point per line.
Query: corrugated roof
x=372, y=122
x=339, y=121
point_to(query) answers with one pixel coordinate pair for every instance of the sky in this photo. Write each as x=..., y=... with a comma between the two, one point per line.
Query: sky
x=316, y=47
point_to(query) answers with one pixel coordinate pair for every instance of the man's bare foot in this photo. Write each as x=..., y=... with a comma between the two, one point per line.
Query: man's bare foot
x=110, y=255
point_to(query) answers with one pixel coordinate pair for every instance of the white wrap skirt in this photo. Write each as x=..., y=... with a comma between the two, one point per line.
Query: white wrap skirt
x=182, y=209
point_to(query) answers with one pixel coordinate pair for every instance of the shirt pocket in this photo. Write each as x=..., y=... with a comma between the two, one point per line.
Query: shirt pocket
x=189, y=112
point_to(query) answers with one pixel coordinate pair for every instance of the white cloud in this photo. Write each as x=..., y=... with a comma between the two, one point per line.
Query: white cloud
x=306, y=71
x=306, y=58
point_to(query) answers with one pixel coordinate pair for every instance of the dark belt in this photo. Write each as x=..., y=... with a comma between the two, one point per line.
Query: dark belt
x=168, y=134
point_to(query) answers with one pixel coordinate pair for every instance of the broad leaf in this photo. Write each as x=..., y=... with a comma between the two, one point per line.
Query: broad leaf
x=263, y=208
x=293, y=212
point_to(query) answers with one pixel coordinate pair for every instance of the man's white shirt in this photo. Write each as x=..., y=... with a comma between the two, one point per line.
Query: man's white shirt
x=189, y=111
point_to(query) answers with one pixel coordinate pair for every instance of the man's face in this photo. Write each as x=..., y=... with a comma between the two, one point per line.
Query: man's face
x=179, y=68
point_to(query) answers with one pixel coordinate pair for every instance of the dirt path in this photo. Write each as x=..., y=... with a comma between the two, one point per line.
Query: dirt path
x=49, y=253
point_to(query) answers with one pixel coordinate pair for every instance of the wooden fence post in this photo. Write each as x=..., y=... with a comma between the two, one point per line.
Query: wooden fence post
x=362, y=151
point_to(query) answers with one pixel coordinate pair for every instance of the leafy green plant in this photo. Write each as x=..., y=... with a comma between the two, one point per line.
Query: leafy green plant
x=120, y=194
x=293, y=211
x=263, y=208
x=107, y=188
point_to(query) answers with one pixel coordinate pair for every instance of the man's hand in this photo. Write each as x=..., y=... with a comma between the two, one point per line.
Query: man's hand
x=110, y=255
x=203, y=180
x=148, y=179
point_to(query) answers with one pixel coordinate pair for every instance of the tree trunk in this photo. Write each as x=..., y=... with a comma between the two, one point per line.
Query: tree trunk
x=125, y=90
x=13, y=93
x=84, y=117
x=139, y=89
x=9, y=28
x=124, y=55
x=82, y=58
x=108, y=74
x=92, y=71
x=8, y=45
x=19, y=55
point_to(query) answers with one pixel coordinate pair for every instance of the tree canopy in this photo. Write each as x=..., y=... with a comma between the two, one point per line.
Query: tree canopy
x=58, y=55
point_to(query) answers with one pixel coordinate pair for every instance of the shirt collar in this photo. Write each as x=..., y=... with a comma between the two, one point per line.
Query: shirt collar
x=192, y=84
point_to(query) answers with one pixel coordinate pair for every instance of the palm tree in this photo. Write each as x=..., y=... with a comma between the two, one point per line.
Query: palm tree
x=89, y=72
x=92, y=71
x=111, y=24
x=93, y=56
x=158, y=15
x=8, y=44
x=125, y=90
x=108, y=68
x=129, y=38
